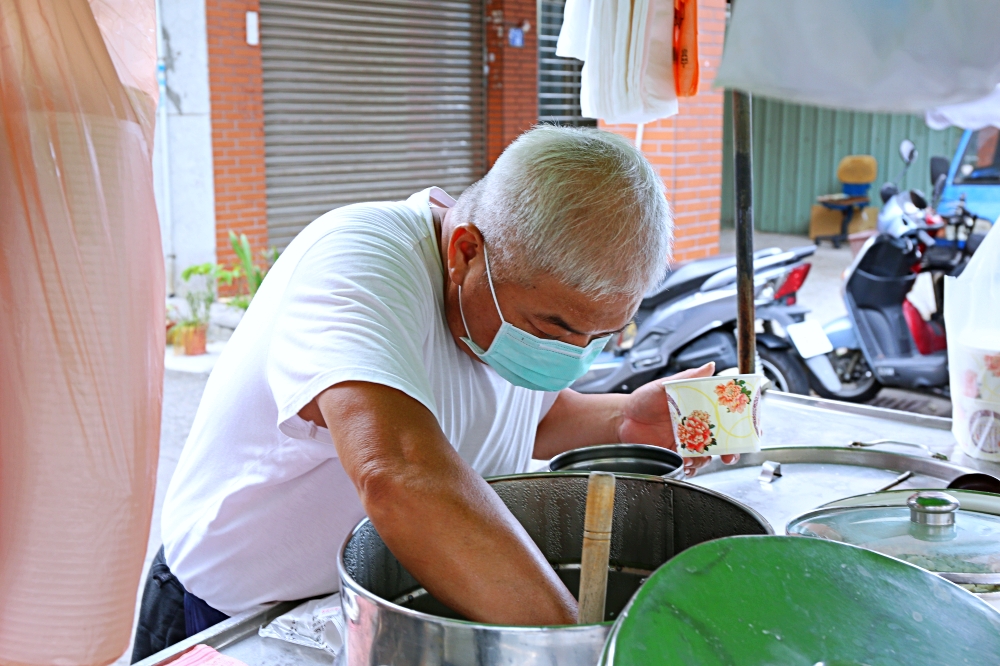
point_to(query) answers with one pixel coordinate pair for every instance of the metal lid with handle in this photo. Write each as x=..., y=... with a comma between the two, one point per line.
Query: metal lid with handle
x=931, y=531
x=931, y=507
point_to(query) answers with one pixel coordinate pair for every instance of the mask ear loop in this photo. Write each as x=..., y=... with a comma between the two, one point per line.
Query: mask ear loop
x=489, y=280
x=461, y=311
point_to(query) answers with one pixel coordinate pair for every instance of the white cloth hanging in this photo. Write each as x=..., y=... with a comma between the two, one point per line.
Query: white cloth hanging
x=890, y=56
x=973, y=115
x=575, y=31
x=627, y=51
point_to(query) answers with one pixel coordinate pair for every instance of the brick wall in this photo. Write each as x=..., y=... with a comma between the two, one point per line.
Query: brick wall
x=512, y=80
x=236, y=89
x=687, y=149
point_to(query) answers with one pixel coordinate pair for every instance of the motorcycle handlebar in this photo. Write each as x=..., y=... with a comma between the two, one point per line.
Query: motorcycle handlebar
x=961, y=212
x=925, y=238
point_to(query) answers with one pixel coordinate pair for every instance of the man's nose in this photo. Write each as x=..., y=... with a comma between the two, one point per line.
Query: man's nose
x=578, y=339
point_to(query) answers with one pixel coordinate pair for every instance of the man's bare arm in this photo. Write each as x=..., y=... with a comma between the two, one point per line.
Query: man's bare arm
x=578, y=419
x=642, y=417
x=437, y=516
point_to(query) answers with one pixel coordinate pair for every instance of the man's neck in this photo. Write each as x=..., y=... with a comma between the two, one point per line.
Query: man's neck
x=442, y=229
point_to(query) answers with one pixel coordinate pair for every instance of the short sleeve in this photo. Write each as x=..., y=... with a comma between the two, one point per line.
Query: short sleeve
x=357, y=307
x=548, y=399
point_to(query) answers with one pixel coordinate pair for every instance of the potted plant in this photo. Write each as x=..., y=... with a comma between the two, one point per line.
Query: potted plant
x=254, y=274
x=191, y=332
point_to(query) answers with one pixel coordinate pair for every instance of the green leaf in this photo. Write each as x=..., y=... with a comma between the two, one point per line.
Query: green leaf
x=198, y=269
x=244, y=252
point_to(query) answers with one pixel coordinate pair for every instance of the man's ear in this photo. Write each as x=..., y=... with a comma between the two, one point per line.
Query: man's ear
x=464, y=248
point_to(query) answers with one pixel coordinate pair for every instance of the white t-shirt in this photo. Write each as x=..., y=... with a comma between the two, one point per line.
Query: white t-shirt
x=260, y=504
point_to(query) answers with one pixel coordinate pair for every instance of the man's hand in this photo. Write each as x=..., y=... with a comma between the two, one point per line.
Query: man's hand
x=645, y=418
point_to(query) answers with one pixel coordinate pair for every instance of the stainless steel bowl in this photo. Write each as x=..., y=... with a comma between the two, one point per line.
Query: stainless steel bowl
x=392, y=620
x=621, y=459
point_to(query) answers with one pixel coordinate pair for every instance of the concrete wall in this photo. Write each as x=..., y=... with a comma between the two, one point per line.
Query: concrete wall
x=189, y=231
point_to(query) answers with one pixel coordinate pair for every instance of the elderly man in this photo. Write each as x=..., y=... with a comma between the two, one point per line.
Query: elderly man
x=396, y=354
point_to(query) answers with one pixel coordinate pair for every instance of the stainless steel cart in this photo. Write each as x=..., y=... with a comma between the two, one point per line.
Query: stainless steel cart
x=803, y=435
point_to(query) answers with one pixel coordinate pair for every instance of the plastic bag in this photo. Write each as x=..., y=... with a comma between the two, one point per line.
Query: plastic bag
x=627, y=49
x=973, y=115
x=867, y=55
x=317, y=624
x=81, y=325
x=972, y=319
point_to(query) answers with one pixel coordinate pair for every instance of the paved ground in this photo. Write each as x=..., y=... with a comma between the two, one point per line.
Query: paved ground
x=181, y=394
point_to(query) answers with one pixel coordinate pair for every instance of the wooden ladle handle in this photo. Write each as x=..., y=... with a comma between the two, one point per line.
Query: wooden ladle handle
x=596, y=547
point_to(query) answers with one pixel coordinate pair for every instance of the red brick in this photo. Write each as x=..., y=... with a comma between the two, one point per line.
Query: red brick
x=236, y=84
x=512, y=82
x=687, y=149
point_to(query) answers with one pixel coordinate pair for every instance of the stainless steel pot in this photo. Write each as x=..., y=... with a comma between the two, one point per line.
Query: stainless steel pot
x=621, y=459
x=392, y=620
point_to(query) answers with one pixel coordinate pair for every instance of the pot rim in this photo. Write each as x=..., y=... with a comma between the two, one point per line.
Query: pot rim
x=615, y=451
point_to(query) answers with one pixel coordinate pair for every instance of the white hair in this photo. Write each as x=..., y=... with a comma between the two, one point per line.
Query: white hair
x=580, y=204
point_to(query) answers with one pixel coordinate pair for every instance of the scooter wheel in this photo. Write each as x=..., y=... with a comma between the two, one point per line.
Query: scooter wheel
x=783, y=368
x=861, y=386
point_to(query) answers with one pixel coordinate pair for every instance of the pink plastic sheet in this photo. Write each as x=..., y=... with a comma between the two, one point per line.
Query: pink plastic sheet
x=81, y=325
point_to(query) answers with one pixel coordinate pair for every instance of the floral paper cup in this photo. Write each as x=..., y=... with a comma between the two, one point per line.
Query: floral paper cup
x=715, y=415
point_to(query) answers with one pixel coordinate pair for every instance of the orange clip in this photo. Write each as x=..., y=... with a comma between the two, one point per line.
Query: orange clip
x=686, y=47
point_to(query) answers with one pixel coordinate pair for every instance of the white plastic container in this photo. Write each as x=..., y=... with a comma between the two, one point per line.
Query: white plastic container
x=972, y=318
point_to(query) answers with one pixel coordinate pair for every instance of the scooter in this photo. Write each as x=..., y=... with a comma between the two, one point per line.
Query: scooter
x=884, y=340
x=690, y=319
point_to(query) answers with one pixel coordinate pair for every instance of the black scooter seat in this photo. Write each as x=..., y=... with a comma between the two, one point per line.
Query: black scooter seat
x=686, y=279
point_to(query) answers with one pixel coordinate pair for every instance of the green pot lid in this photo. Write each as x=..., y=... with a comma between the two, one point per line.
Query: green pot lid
x=929, y=531
x=755, y=600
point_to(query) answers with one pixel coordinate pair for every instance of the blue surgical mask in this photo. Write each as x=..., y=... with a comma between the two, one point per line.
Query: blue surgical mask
x=529, y=361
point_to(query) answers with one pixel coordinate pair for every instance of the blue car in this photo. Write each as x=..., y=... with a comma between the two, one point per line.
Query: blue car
x=974, y=171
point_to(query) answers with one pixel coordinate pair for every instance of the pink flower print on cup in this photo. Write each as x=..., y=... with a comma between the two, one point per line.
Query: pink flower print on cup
x=701, y=416
x=755, y=412
x=734, y=395
x=993, y=364
x=694, y=432
x=970, y=384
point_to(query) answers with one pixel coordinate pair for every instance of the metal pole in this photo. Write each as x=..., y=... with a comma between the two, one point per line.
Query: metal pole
x=166, y=208
x=746, y=318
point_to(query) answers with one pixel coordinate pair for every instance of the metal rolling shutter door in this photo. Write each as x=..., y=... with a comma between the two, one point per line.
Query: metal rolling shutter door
x=368, y=101
x=558, y=78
